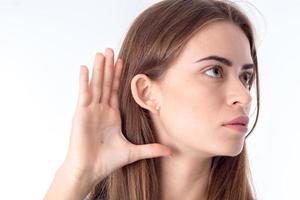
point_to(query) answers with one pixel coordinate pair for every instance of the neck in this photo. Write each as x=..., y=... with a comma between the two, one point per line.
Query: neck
x=184, y=178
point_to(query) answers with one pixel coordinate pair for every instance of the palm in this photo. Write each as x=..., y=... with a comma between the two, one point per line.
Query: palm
x=97, y=144
x=105, y=139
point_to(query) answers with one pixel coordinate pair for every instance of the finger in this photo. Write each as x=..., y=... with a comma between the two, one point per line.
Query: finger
x=108, y=76
x=116, y=81
x=150, y=151
x=97, y=76
x=83, y=85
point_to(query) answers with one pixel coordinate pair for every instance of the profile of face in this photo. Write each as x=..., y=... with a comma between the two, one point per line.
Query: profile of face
x=205, y=87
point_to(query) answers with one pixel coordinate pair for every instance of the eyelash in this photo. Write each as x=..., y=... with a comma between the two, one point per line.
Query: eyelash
x=250, y=79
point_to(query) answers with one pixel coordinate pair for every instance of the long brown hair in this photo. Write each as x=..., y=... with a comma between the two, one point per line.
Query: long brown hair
x=154, y=40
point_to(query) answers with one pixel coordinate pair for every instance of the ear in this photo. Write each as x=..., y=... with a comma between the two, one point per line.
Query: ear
x=142, y=89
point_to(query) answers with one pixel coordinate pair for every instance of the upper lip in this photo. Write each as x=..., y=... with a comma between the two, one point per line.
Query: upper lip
x=241, y=120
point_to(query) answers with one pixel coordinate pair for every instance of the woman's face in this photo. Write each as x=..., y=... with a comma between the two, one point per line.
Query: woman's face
x=196, y=98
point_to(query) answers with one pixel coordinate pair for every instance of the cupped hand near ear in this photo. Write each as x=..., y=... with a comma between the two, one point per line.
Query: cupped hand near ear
x=97, y=145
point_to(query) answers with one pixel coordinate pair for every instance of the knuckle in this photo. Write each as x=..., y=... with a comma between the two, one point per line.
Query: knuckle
x=107, y=84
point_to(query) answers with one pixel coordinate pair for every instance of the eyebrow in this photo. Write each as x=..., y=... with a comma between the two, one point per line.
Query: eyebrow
x=226, y=61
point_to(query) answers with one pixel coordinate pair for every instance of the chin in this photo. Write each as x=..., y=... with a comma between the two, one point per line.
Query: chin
x=230, y=150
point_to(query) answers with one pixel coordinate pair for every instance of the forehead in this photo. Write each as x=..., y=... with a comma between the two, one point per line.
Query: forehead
x=219, y=38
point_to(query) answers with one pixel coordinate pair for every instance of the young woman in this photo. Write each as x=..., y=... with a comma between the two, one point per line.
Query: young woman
x=169, y=119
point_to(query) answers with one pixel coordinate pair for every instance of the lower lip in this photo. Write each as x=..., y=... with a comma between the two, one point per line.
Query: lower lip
x=239, y=128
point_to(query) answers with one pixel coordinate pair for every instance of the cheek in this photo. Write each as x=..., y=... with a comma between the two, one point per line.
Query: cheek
x=192, y=117
x=191, y=110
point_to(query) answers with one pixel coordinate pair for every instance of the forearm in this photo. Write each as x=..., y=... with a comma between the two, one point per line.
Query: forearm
x=67, y=187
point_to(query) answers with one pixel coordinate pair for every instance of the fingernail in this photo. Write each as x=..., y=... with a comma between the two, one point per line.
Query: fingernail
x=106, y=51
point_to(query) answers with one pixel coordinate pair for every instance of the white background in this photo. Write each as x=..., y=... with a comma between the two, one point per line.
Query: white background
x=42, y=45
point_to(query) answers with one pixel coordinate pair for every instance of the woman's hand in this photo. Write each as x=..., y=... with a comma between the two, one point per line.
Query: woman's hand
x=97, y=145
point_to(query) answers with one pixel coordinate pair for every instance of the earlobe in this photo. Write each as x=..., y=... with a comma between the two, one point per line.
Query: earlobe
x=141, y=89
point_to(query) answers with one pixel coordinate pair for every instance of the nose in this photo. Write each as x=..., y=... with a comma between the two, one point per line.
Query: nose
x=239, y=95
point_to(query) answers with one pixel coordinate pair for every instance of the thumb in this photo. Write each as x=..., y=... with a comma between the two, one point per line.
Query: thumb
x=150, y=151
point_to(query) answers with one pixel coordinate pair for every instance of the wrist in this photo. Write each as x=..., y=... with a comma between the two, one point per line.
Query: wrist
x=69, y=186
x=75, y=180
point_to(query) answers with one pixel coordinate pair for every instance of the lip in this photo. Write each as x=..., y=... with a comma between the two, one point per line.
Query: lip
x=239, y=128
x=239, y=124
x=241, y=120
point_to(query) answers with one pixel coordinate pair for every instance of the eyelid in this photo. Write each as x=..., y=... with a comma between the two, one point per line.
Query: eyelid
x=249, y=71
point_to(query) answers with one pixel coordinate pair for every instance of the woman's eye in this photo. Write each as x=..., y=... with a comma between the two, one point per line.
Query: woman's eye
x=247, y=77
x=217, y=72
x=214, y=71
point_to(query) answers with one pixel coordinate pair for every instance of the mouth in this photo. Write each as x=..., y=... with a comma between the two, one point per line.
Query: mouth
x=241, y=124
x=241, y=120
x=238, y=127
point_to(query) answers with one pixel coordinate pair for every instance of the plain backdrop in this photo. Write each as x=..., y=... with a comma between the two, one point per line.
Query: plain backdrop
x=42, y=45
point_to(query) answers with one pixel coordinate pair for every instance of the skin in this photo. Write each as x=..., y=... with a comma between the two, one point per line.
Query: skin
x=97, y=145
x=195, y=99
